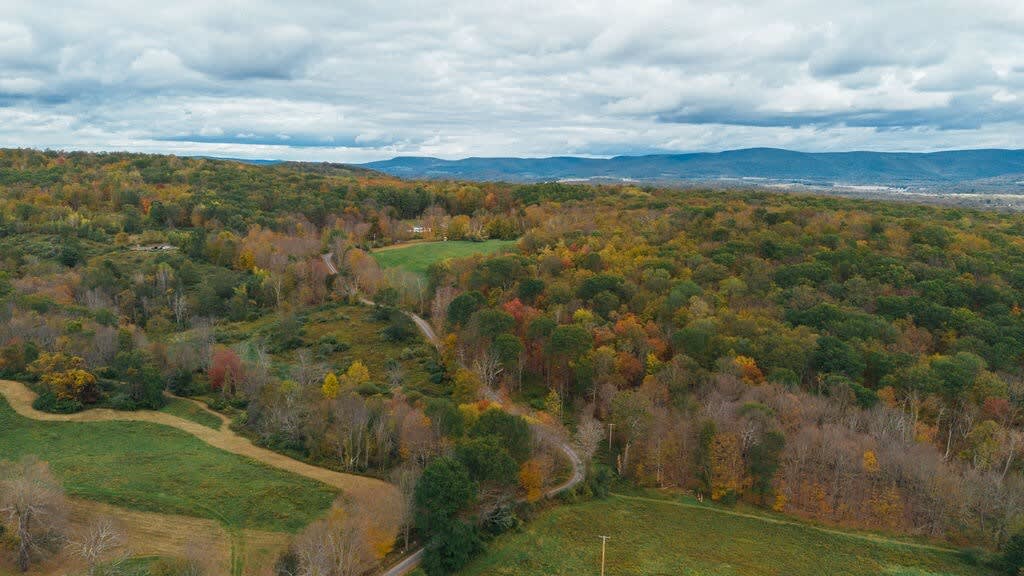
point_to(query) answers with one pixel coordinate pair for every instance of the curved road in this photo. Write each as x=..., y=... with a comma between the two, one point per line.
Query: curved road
x=411, y=561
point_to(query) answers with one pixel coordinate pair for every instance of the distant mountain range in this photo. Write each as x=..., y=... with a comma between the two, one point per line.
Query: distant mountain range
x=970, y=170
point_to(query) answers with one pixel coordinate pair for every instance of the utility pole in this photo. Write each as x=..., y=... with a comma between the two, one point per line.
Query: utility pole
x=604, y=540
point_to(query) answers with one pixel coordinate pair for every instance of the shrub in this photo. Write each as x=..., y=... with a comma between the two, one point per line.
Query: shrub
x=500, y=519
x=122, y=401
x=184, y=383
x=400, y=329
x=329, y=344
x=284, y=335
x=287, y=564
x=49, y=402
x=1013, y=555
x=600, y=480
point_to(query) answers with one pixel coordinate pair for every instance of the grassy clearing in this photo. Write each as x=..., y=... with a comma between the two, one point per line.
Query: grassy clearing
x=659, y=536
x=189, y=411
x=355, y=326
x=351, y=325
x=156, y=468
x=418, y=257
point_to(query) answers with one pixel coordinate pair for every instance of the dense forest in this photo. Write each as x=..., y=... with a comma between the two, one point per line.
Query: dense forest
x=855, y=363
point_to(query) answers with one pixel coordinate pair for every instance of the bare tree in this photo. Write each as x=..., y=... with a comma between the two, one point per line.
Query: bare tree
x=1011, y=443
x=488, y=368
x=395, y=374
x=406, y=477
x=96, y=541
x=179, y=304
x=204, y=339
x=443, y=296
x=306, y=371
x=33, y=500
x=351, y=418
x=338, y=545
x=589, y=434
x=104, y=346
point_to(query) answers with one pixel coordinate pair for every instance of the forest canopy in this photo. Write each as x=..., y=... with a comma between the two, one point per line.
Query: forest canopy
x=853, y=362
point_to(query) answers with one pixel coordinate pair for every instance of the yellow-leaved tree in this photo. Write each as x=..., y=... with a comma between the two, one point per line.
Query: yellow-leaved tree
x=531, y=479
x=870, y=462
x=553, y=405
x=458, y=228
x=66, y=377
x=466, y=387
x=356, y=375
x=331, y=386
x=728, y=478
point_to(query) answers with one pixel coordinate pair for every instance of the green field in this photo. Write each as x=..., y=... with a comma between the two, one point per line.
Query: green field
x=418, y=257
x=189, y=411
x=661, y=536
x=156, y=468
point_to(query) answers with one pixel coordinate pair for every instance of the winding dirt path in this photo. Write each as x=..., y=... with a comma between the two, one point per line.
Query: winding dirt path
x=372, y=494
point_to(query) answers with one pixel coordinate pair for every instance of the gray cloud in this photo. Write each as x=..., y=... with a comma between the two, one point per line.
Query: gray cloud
x=364, y=80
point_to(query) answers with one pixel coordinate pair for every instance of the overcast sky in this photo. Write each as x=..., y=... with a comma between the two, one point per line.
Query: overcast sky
x=357, y=81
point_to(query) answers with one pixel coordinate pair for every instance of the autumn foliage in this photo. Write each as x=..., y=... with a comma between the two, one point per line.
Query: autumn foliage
x=225, y=370
x=66, y=378
x=531, y=480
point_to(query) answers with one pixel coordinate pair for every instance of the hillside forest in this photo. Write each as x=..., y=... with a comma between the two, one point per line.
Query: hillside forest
x=853, y=363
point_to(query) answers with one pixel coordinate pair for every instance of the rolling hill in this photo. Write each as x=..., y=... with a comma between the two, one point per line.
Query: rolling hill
x=999, y=169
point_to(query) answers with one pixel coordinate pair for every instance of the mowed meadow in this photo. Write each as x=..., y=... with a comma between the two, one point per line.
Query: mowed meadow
x=658, y=535
x=154, y=468
x=418, y=256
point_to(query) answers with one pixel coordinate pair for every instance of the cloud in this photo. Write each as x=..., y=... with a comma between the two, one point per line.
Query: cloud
x=363, y=80
x=277, y=52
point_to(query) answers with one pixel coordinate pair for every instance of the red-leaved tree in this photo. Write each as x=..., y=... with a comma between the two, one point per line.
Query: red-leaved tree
x=225, y=370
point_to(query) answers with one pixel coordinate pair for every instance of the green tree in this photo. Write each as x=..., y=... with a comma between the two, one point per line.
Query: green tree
x=702, y=457
x=508, y=348
x=530, y=289
x=834, y=355
x=569, y=341
x=600, y=283
x=763, y=459
x=444, y=489
x=453, y=544
x=1013, y=555
x=491, y=323
x=957, y=373
x=512, y=431
x=145, y=386
x=462, y=307
x=487, y=460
